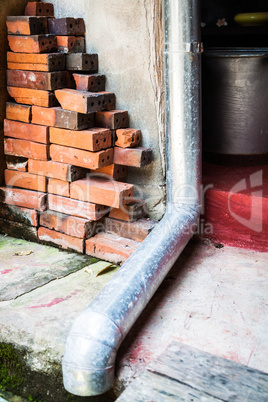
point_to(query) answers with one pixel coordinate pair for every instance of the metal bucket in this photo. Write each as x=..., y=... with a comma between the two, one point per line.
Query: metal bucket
x=235, y=101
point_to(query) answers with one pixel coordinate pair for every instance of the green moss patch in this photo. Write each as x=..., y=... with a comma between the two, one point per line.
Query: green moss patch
x=11, y=368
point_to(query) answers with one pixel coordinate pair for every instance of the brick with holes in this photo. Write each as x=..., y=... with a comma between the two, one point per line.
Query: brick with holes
x=33, y=96
x=37, y=79
x=23, y=198
x=127, y=138
x=59, y=187
x=26, y=149
x=69, y=206
x=89, y=82
x=135, y=157
x=25, y=131
x=108, y=102
x=64, y=241
x=79, y=101
x=19, y=214
x=112, y=119
x=56, y=170
x=71, y=44
x=66, y=26
x=25, y=25
x=82, y=62
x=116, y=172
x=79, y=157
x=17, y=163
x=74, y=120
x=36, y=62
x=16, y=111
x=130, y=212
x=93, y=139
x=102, y=191
x=26, y=180
x=38, y=8
x=33, y=43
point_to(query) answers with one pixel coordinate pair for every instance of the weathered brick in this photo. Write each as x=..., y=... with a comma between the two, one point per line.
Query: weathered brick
x=44, y=115
x=59, y=187
x=36, y=62
x=70, y=225
x=78, y=157
x=112, y=119
x=102, y=191
x=108, y=102
x=26, y=149
x=66, y=26
x=90, y=140
x=19, y=230
x=116, y=172
x=127, y=138
x=82, y=62
x=55, y=170
x=111, y=247
x=18, y=214
x=137, y=231
x=71, y=44
x=17, y=163
x=89, y=82
x=23, y=198
x=87, y=210
x=60, y=239
x=79, y=101
x=15, y=111
x=39, y=9
x=25, y=25
x=33, y=43
x=131, y=212
x=37, y=79
x=25, y=131
x=26, y=180
x=33, y=96
x=74, y=120
x=135, y=157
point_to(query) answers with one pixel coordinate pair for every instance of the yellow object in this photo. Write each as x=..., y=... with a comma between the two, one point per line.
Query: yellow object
x=250, y=19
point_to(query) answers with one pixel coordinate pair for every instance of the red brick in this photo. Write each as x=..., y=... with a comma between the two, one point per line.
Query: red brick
x=39, y=9
x=25, y=131
x=78, y=157
x=36, y=62
x=15, y=111
x=33, y=43
x=33, y=96
x=18, y=214
x=25, y=25
x=59, y=187
x=23, y=198
x=89, y=82
x=44, y=115
x=71, y=44
x=70, y=225
x=112, y=119
x=135, y=157
x=90, y=140
x=66, y=26
x=110, y=247
x=81, y=209
x=17, y=163
x=131, y=212
x=26, y=149
x=55, y=170
x=102, y=191
x=60, y=239
x=37, y=79
x=82, y=62
x=137, y=231
x=19, y=230
x=108, y=102
x=26, y=180
x=73, y=120
x=127, y=138
x=79, y=101
x=116, y=172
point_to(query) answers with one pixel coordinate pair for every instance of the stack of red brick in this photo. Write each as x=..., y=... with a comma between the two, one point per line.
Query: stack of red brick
x=67, y=149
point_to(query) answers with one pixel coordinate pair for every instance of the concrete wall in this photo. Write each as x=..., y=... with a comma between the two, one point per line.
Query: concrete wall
x=7, y=7
x=127, y=35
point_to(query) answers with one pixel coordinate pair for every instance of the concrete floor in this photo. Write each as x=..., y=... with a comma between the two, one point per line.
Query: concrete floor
x=214, y=299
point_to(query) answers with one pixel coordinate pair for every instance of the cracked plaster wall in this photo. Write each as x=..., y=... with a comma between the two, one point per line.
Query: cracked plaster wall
x=127, y=35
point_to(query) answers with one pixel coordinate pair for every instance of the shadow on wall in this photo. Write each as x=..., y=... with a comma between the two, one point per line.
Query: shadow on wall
x=8, y=7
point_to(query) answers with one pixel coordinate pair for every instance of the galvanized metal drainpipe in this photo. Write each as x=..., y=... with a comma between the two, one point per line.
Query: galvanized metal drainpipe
x=90, y=353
